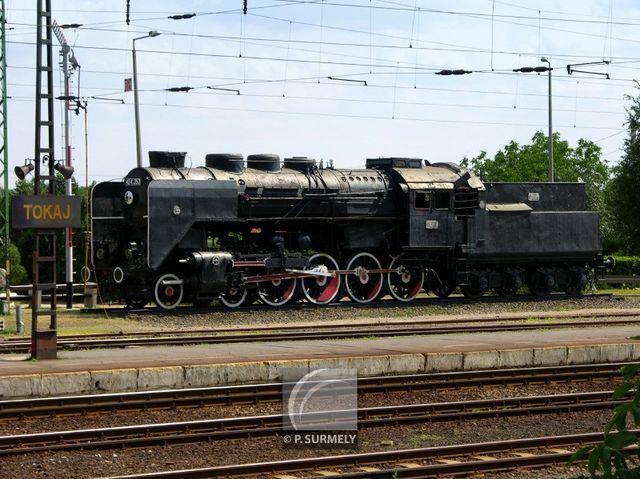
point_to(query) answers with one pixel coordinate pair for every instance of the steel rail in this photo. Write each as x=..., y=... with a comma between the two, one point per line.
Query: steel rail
x=17, y=409
x=305, y=333
x=269, y=425
x=549, y=455
x=322, y=326
x=383, y=303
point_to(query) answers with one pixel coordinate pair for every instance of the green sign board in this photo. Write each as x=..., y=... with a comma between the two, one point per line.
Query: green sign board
x=45, y=212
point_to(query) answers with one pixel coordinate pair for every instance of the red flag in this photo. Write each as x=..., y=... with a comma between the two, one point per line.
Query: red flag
x=127, y=84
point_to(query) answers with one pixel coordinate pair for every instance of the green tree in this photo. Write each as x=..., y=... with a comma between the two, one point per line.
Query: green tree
x=609, y=459
x=516, y=163
x=18, y=274
x=624, y=193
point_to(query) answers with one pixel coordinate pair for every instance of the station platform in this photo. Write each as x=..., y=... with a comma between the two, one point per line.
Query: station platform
x=154, y=367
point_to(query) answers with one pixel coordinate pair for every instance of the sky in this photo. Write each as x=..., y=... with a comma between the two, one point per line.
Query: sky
x=337, y=80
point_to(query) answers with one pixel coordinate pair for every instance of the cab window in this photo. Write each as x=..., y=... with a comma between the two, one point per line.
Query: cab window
x=442, y=200
x=423, y=200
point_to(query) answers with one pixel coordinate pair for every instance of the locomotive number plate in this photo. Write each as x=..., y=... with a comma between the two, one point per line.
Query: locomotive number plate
x=133, y=181
x=431, y=224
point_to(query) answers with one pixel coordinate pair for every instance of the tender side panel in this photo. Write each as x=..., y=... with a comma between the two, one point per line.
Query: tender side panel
x=539, y=196
x=531, y=236
x=175, y=206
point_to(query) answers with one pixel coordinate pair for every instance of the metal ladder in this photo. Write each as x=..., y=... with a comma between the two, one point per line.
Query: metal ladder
x=44, y=340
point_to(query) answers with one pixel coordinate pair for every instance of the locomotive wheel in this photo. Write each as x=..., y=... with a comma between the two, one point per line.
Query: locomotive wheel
x=167, y=296
x=135, y=302
x=472, y=292
x=363, y=286
x=443, y=291
x=277, y=292
x=202, y=302
x=233, y=297
x=321, y=289
x=408, y=281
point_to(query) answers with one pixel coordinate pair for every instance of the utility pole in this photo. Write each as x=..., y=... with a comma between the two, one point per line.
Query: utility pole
x=550, y=148
x=67, y=57
x=5, y=199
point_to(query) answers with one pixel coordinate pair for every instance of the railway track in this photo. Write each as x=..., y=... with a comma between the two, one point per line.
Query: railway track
x=311, y=332
x=17, y=409
x=269, y=425
x=382, y=303
x=430, y=462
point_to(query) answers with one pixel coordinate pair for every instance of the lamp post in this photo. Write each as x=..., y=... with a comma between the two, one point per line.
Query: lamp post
x=541, y=70
x=152, y=33
x=550, y=161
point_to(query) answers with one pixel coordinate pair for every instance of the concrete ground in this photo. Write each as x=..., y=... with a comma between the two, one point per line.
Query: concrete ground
x=146, y=368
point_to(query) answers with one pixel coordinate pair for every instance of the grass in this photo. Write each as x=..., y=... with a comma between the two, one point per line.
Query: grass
x=620, y=291
x=75, y=322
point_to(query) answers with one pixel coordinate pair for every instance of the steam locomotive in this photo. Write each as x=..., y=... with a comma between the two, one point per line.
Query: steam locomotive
x=303, y=230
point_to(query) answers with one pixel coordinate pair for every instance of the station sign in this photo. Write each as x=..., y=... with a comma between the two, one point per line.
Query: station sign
x=46, y=212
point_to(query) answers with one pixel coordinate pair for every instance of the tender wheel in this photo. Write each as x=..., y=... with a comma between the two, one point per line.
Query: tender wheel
x=443, y=291
x=506, y=291
x=408, y=281
x=168, y=296
x=233, y=297
x=363, y=286
x=472, y=292
x=277, y=292
x=135, y=302
x=577, y=282
x=541, y=283
x=321, y=289
x=574, y=289
x=537, y=290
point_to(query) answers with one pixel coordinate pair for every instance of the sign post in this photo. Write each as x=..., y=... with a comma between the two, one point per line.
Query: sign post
x=45, y=214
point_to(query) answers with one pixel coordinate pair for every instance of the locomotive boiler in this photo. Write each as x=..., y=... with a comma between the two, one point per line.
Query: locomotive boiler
x=280, y=231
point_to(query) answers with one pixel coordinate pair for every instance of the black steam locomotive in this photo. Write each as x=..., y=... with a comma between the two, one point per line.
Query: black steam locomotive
x=298, y=229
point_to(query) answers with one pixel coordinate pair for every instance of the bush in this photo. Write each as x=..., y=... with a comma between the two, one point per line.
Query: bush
x=626, y=265
x=18, y=272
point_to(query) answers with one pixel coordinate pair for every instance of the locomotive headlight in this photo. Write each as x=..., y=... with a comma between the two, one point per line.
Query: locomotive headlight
x=128, y=197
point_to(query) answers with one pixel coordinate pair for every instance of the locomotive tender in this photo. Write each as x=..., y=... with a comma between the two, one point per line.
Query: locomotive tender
x=302, y=230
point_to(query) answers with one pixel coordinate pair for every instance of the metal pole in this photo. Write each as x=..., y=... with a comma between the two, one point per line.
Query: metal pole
x=136, y=106
x=550, y=160
x=5, y=155
x=67, y=184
